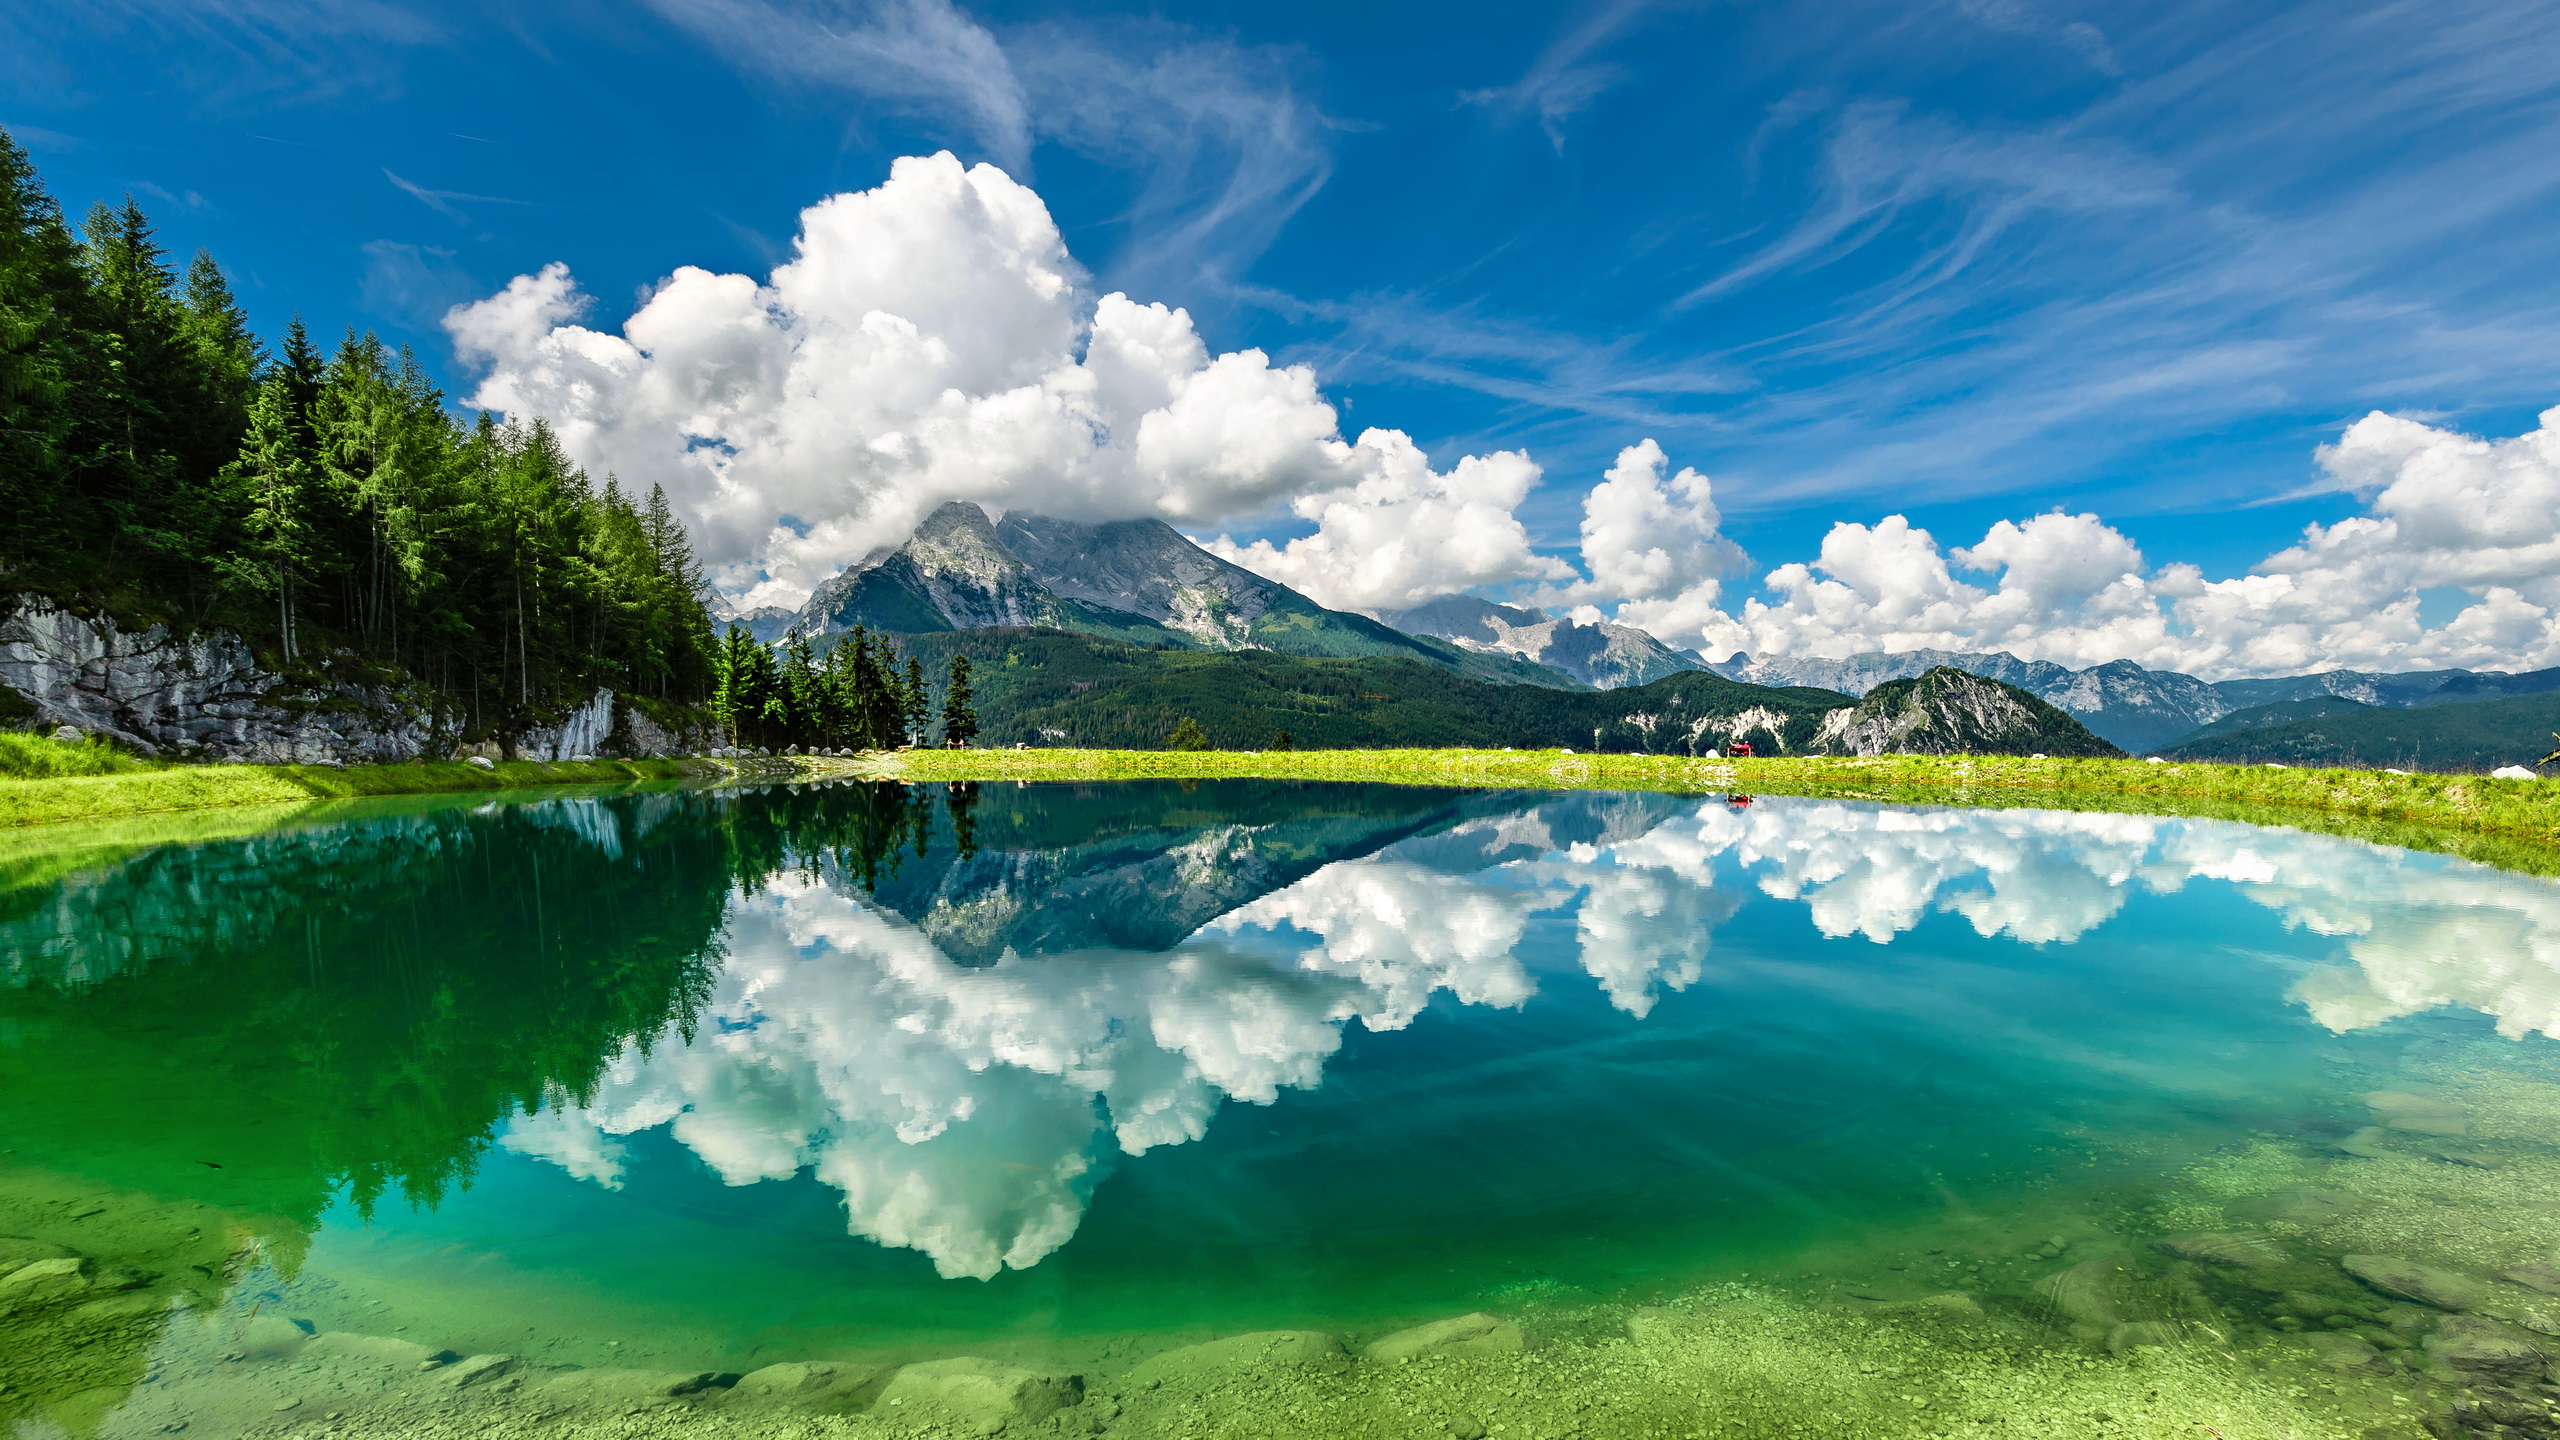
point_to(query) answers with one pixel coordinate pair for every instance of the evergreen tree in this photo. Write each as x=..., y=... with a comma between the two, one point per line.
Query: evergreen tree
x=959, y=715
x=915, y=703
x=1187, y=735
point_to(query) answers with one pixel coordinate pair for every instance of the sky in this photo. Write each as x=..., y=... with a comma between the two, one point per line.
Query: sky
x=2213, y=336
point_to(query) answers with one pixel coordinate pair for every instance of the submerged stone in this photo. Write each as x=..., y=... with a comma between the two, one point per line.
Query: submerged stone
x=2427, y=1284
x=631, y=1387
x=477, y=1370
x=2419, y=1114
x=2366, y=1144
x=2536, y=1276
x=2239, y=1252
x=971, y=1387
x=2470, y=1343
x=1476, y=1334
x=1257, y=1350
x=812, y=1384
x=371, y=1349
x=41, y=1283
x=2347, y=1353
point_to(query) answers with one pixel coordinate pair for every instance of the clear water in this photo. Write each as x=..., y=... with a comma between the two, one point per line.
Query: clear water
x=1779, y=1117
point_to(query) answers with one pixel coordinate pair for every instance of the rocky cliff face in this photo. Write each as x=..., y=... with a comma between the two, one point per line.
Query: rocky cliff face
x=1952, y=712
x=952, y=574
x=205, y=697
x=1604, y=656
x=1145, y=567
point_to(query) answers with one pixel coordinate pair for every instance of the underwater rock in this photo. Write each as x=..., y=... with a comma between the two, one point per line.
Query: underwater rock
x=2470, y=1343
x=477, y=1370
x=2347, y=1353
x=2475, y=1159
x=814, y=1384
x=2419, y=1114
x=372, y=1350
x=270, y=1337
x=2144, y=1332
x=2410, y=1280
x=2301, y=1205
x=631, y=1387
x=973, y=1388
x=1475, y=1334
x=1260, y=1349
x=40, y=1283
x=2366, y=1144
x=1653, y=1325
x=2536, y=1276
x=2081, y=1295
x=16, y=1253
x=2238, y=1252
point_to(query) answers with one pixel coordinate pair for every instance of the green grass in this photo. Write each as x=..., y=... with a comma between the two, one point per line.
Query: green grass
x=2514, y=824
x=25, y=756
x=77, y=797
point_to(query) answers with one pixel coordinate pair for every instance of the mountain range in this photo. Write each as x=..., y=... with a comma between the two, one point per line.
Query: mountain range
x=2146, y=710
x=1144, y=583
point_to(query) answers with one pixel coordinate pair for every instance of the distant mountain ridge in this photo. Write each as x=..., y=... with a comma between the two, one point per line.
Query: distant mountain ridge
x=1604, y=656
x=2138, y=709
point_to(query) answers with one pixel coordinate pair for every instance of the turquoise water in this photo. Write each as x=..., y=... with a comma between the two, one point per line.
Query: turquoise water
x=1067, y=1076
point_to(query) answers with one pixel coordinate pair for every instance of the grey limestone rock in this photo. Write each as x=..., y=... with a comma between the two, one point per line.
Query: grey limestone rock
x=2471, y=1343
x=810, y=1384
x=2346, y=1353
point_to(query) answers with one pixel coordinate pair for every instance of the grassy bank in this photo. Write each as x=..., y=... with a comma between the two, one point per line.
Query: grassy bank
x=56, y=799
x=2511, y=823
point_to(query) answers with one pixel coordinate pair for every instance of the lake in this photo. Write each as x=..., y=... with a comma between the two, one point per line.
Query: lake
x=1507, y=1113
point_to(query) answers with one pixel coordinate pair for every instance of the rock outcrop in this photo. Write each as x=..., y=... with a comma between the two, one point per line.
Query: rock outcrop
x=1604, y=655
x=1951, y=712
x=206, y=697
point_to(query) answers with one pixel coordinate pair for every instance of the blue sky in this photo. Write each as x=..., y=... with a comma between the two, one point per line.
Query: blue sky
x=1959, y=261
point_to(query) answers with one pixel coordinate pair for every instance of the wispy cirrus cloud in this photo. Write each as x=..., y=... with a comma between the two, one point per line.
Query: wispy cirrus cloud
x=443, y=201
x=1564, y=80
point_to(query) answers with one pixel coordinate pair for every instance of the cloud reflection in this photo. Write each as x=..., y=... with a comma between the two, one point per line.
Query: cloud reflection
x=966, y=1111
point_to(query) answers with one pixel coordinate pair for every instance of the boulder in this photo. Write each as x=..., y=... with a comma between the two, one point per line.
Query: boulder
x=969, y=1387
x=2347, y=1353
x=477, y=1370
x=631, y=1387
x=15, y=1252
x=376, y=1350
x=2469, y=1343
x=2427, y=1284
x=2366, y=1144
x=1262, y=1349
x=2536, y=1276
x=270, y=1337
x=2237, y=1252
x=1477, y=1334
x=2418, y=1114
x=810, y=1384
x=481, y=762
x=39, y=1283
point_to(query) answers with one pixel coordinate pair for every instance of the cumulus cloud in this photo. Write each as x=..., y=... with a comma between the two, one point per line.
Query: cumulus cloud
x=930, y=340
x=2444, y=511
x=1404, y=532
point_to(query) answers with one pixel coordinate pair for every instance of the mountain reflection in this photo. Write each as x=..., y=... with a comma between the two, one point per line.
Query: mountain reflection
x=955, y=1005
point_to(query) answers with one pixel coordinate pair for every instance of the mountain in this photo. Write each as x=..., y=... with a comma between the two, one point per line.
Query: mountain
x=767, y=623
x=2451, y=737
x=952, y=574
x=2120, y=702
x=2365, y=687
x=1604, y=656
x=1947, y=711
x=2282, y=712
x=1134, y=580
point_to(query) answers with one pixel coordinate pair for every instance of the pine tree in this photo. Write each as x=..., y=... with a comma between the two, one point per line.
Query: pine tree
x=915, y=703
x=43, y=299
x=959, y=715
x=274, y=474
x=1187, y=735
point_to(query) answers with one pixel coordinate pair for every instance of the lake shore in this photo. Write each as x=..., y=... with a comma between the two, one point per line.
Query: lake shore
x=2513, y=824
x=58, y=799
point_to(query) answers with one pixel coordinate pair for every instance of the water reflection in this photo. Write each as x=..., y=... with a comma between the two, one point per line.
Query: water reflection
x=965, y=1104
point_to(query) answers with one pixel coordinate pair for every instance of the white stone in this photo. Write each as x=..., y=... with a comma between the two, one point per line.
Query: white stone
x=481, y=762
x=2512, y=772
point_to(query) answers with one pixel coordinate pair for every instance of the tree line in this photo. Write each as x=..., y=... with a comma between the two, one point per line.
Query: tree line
x=861, y=695
x=160, y=464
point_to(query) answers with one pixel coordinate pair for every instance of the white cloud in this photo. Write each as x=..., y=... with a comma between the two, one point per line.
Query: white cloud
x=2444, y=510
x=1652, y=546
x=929, y=340
x=1404, y=532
